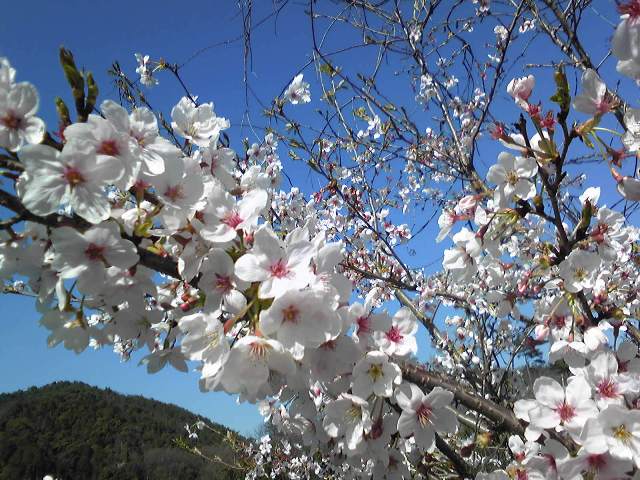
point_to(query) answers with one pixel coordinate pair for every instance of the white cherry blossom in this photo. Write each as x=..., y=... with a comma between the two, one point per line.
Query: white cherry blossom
x=594, y=98
x=301, y=318
x=142, y=126
x=87, y=256
x=374, y=374
x=297, y=91
x=520, y=89
x=75, y=177
x=398, y=337
x=512, y=176
x=424, y=415
x=615, y=430
x=577, y=270
x=18, y=123
x=220, y=283
x=222, y=216
x=348, y=416
x=277, y=265
x=198, y=124
x=109, y=145
x=557, y=407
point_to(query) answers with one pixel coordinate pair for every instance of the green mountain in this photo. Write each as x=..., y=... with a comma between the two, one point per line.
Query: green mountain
x=75, y=431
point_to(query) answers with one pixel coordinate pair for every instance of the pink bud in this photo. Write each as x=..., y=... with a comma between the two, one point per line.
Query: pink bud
x=520, y=89
x=468, y=202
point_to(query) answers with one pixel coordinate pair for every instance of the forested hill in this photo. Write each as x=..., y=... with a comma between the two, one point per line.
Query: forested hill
x=76, y=431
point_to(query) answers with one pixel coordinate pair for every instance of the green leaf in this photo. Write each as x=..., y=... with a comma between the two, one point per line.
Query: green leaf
x=92, y=94
x=562, y=96
x=329, y=69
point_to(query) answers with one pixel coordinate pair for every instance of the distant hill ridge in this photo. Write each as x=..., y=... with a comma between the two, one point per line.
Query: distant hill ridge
x=72, y=430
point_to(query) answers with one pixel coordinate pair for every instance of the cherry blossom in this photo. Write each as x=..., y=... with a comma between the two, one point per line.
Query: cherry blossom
x=555, y=406
x=462, y=259
x=249, y=365
x=297, y=91
x=142, y=126
x=594, y=98
x=625, y=43
x=577, y=270
x=163, y=244
x=512, y=177
x=398, y=337
x=348, y=416
x=615, y=430
x=424, y=415
x=87, y=256
x=520, y=89
x=197, y=123
x=146, y=75
x=220, y=283
x=301, y=318
x=374, y=374
x=278, y=266
x=18, y=123
x=75, y=177
x=222, y=216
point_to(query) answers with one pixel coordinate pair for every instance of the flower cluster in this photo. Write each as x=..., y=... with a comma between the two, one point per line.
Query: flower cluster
x=177, y=246
x=263, y=310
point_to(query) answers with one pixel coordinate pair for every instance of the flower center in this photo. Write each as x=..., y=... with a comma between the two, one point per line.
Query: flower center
x=604, y=106
x=223, y=283
x=394, y=335
x=329, y=345
x=354, y=413
x=608, y=389
x=73, y=176
x=621, y=433
x=375, y=371
x=512, y=177
x=279, y=269
x=259, y=349
x=11, y=121
x=580, y=274
x=214, y=163
x=192, y=130
x=559, y=321
x=94, y=252
x=290, y=314
x=566, y=411
x=139, y=138
x=174, y=192
x=596, y=461
x=232, y=219
x=109, y=147
x=424, y=414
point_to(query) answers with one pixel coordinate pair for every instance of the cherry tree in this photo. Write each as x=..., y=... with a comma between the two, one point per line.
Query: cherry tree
x=157, y=239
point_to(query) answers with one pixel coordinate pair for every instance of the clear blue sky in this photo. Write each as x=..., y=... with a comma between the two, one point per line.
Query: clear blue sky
x=100, y=32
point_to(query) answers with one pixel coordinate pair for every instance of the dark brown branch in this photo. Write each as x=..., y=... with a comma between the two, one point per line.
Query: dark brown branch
x=456, y=460
x=502, y=418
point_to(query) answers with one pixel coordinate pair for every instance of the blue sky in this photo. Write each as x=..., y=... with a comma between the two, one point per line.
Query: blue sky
x=108, y=31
